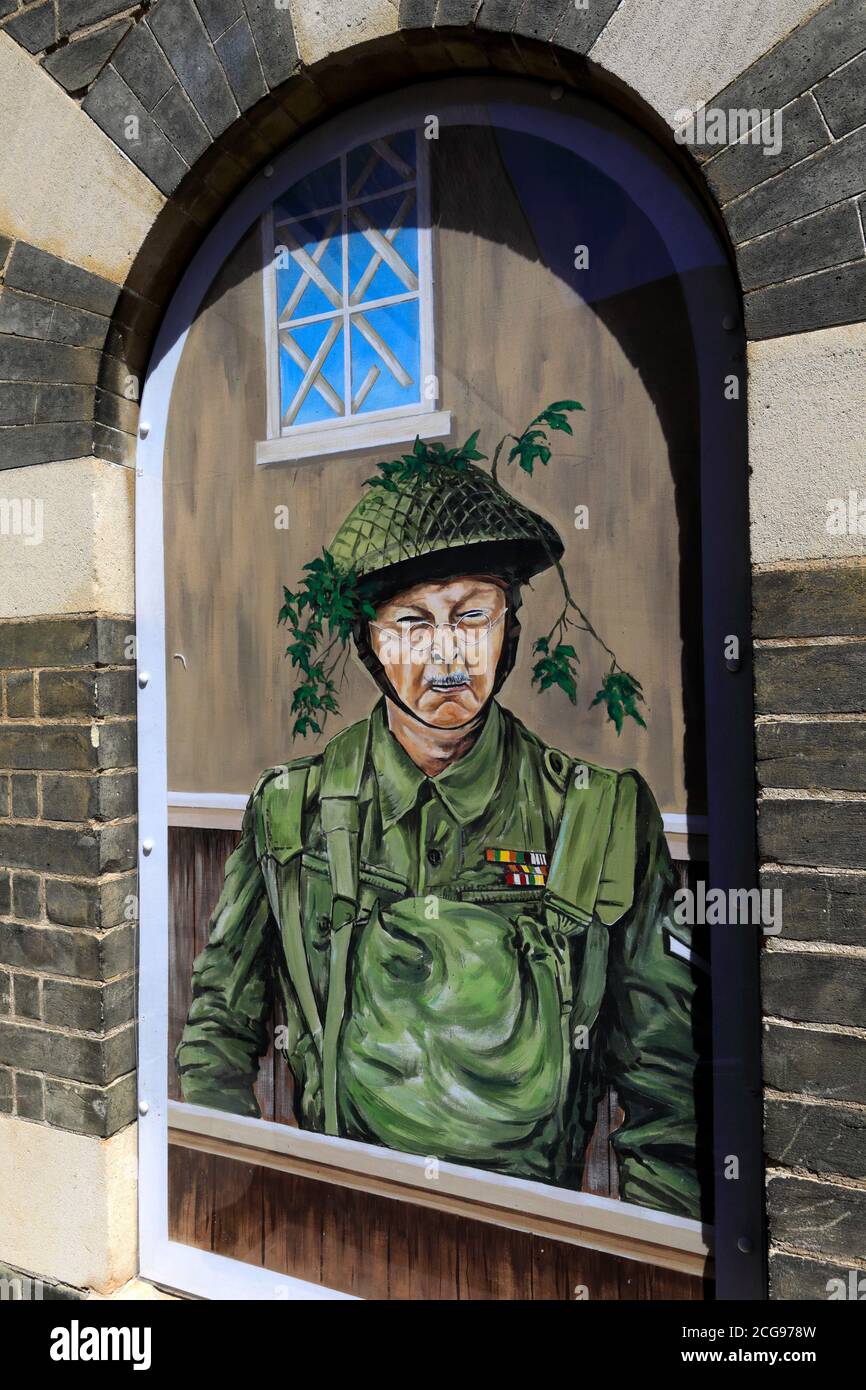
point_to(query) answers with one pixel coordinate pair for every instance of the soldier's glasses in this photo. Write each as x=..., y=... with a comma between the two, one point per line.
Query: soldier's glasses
x=471, y=630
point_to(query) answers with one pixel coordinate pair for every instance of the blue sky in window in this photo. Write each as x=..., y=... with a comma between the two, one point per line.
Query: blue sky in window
x=398, y=326
x=369, y=172
x=314, y=407
x=381, y=213
x=320, y=189
x=309, y=234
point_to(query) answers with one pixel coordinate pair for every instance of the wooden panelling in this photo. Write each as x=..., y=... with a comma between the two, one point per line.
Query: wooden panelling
x=377, y=1248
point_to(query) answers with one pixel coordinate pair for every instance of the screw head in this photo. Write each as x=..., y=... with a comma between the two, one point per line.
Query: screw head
x=744, y=1245
x=269, y=171
x=143, y=1107
x=143, y=678
x=143, y=429
x=147, y=846
x=729, y=322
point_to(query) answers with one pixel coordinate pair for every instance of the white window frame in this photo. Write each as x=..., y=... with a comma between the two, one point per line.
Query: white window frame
x=375, y=428
x=599, y=1222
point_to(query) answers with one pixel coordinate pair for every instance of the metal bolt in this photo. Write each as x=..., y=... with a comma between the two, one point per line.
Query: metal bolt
x=144, y=429
x=269, y=169
x=147, y=846
x=744, y=1245
x=729, y=322
x=143, y=1107
x=733, y=663
x=143, y=678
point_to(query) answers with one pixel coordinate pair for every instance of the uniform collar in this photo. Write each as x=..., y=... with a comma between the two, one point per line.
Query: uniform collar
x=465, y=788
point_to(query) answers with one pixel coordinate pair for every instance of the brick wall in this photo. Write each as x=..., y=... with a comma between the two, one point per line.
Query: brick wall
x=67, y=881
x=810, y=663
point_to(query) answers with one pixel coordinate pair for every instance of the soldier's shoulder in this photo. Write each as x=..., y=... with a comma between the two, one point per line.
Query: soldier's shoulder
x=556, y=766
x=282, y=775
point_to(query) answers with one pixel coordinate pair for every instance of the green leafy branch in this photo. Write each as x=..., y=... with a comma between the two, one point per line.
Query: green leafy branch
x=423, y=461
x=323, y=609
x=533, y=445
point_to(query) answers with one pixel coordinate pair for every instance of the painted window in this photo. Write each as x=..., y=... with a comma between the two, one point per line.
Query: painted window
x=348, y=304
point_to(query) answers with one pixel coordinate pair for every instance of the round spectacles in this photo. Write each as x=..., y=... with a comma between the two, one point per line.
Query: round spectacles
x=472, y=629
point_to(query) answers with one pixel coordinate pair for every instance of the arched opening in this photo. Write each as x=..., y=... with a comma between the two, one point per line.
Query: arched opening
x=449, y=260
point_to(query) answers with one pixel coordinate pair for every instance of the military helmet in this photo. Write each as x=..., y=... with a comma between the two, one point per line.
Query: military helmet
x=442, y=522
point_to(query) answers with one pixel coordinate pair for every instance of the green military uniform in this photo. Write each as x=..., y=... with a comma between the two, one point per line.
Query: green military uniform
x=430, y=1007
x=435, y=1002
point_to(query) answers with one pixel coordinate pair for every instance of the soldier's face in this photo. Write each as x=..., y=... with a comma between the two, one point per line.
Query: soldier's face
x=440, y=644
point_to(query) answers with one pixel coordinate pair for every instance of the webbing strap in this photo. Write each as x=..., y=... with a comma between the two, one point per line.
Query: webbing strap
x=581, y=843
x=342, y=774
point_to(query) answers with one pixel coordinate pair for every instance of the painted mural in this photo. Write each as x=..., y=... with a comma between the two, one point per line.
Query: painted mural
x=446, y=920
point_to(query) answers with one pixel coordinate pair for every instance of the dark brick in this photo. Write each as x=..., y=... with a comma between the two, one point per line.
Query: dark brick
x=79, y=14
x=823, y=1138
x=34, y=29
x=5, y=795
x=98, y=1060
x=814, y=243
x=87, y=693
x=817, y=301
x=5, y=241
x=25, y=996
x=808, y=1061
x=27, y=316
x=113, y=445
x=26, y=896
x=175, y=114
x=842, y=97
x=68, y=952
x=18, y=402
x=110, y=103
x=29, y=1098
x=809, y=987
x=821, y=1217
x=80, y=62
x=219, y=15
x=97, y=905
x=66, y=747
x=579, y=29
x=57, y=402
x=116, y=411
x=459, y=13
x=826, y=602
x=141, y=63
x=498, y=15
x=183, y=39
x=20, y=695
x=25, y=802
x=24, y=445
x=6, y=1091
x=744, y=165
x=30, y=359
x=414, y=14
x=833, y=35
x=237, y=53
x=69, y=850
x=827, y=833
x=795, y=1277
x=66, y=642
x=38, y=272
x=821, y=907
x=812, y=753
x=826, y=177
x=5, y=891
x=77, y=798
x=5, y=992
x=92, y=1008
x=90, y=1110
x=274, y=39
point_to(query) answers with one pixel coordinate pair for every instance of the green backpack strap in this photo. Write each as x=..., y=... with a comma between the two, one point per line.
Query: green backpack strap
x=278, y=814
x=345, y=759
x=592, y=869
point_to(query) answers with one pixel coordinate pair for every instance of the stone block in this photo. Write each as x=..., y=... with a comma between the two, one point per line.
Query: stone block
x=827, y=238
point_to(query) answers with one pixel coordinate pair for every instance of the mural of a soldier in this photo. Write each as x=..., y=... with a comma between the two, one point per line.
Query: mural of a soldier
x=472, y=934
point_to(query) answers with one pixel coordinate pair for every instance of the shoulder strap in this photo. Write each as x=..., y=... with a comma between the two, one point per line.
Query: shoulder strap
x=342, y=774
x=278, y=813
x=592, y=870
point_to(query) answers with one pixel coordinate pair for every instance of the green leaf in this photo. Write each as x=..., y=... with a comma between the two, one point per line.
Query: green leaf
x=620, y=693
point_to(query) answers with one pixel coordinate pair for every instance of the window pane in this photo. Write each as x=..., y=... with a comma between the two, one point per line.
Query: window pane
x=311, y=372
x=381, y=165
x=386, y=358
x=312, y=281
x=382, y=265
x=321, y=189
